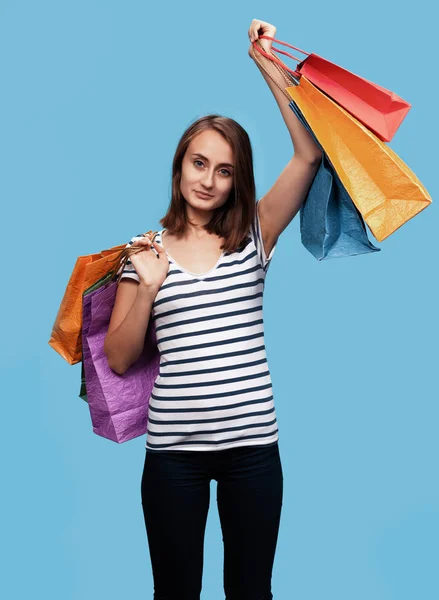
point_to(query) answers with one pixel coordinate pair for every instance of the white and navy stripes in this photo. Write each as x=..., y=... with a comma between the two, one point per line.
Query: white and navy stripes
x=213, y=390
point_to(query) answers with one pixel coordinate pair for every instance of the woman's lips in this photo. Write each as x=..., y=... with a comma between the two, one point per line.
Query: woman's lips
x=204, y=196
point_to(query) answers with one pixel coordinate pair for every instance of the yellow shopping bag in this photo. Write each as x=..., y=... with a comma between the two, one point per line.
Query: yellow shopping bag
x=383, y=188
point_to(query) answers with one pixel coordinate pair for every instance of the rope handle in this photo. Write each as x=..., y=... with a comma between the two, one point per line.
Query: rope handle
x=125, y=253
x=288, y=79
x=274, y=59
x=267, y=37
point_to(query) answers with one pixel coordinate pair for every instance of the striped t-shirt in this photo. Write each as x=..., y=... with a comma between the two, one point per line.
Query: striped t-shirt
x=213, y=390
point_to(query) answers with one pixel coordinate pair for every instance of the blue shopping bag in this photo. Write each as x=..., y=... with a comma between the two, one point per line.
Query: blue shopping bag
x=330, y=224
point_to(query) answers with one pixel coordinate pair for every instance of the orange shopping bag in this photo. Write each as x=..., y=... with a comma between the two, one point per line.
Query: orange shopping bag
x=66, y=336
x=383, y=188
x=66, y=331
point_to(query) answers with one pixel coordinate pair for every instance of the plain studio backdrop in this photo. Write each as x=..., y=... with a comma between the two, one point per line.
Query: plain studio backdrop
x=95, y=96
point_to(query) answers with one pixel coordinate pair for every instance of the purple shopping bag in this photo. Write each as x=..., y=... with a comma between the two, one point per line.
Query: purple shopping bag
x=118, y=403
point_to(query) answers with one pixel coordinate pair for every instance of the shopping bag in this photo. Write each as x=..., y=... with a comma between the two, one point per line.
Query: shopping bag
x=330, y=224
x=66, y=336
x=383, y=188
x=66, y=331
x=379, y=109
x=118, y=404
x=107, y=278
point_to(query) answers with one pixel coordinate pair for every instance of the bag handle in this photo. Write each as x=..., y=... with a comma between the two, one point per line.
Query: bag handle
x=125, y=253
x=287, y=77
x=274, y=58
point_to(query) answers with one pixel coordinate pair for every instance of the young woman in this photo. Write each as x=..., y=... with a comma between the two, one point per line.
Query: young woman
x=211, y=412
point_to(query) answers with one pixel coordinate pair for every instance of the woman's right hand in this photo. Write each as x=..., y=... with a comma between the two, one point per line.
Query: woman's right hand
x=152, y=269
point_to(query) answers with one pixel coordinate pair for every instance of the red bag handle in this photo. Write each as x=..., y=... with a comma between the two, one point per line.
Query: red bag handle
x=274, y=59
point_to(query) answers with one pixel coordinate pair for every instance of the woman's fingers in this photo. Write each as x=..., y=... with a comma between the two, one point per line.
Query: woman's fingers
x=263, y=26
x=144, y=241
x=254, y=28
x=159, y=248
x=149, y=245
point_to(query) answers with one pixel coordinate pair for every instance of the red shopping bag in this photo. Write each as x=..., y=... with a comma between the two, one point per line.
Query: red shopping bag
x=379, y=109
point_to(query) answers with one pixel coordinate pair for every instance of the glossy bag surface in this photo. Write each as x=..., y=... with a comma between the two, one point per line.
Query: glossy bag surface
x=380, y=110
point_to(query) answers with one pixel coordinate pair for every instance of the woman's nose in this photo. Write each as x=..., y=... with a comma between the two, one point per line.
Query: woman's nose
x=207, y=180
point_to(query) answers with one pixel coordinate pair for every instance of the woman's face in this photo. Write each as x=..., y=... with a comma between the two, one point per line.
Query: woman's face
x=207, y=167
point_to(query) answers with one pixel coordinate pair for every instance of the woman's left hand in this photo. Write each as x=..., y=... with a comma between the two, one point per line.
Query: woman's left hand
x=258, y=28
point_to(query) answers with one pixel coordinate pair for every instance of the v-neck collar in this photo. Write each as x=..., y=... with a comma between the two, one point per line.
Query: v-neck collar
x=196, y=275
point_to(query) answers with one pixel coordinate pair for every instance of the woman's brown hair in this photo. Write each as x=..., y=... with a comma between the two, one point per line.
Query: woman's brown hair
x=232, y=220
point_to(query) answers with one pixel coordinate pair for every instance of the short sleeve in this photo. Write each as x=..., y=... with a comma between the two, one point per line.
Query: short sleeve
x=257, y=239
x=129, y=272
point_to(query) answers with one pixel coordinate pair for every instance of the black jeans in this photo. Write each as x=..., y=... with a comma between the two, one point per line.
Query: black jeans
x=175, y=492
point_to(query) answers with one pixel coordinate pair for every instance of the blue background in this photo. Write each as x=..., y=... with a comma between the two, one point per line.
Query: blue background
x=95, y=96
